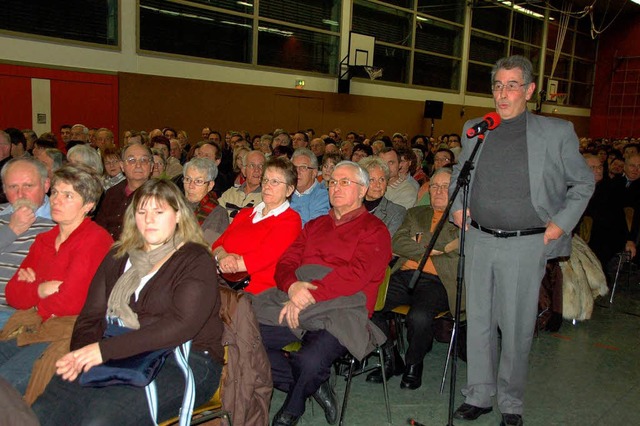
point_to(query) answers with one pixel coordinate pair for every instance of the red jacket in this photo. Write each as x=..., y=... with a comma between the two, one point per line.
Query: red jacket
x=357, y=248
x=260, y=244
x=74, y=263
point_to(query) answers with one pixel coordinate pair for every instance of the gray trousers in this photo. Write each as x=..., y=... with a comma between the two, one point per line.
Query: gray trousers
x=502, y=277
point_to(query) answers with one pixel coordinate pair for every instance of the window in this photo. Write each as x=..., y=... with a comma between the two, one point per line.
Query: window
x=293, y=48
x=289, y=34
x=185, y=30
x=91, y=22
x=422, y=36
x=321, y=14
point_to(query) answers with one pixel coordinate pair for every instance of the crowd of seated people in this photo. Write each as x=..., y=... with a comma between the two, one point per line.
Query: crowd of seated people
x=265, y=206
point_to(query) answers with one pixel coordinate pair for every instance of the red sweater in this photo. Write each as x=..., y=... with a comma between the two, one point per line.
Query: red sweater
x=357, y=248
x=260, y=244
x=74, y=264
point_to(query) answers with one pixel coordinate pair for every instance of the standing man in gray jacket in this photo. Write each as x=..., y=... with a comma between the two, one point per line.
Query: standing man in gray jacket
x=528, y=190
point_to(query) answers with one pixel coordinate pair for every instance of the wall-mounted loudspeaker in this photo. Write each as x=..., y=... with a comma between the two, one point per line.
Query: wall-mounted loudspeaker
x=433, y=109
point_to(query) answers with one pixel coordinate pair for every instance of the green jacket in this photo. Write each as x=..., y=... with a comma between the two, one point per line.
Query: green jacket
x=418, y=220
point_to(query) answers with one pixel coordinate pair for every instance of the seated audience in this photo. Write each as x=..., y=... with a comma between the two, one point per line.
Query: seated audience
x=349, y=250
x=249, y=193
x=361, y=151
x=158, y=170
x=136, y=164
x=172, y=166
x=199, y=180
x=608, y=233
x=258, y=236
x=329, y=162
x=53, y=159
x=26, y=215
x=86, y=156
x=436, y=284
x=53, y=279
x=399, y=190
x=390, y=213
x=310, y=199
x=112, y=168
x=238, y=169
x=408, y=163
x=442, y=158
x=159, y=281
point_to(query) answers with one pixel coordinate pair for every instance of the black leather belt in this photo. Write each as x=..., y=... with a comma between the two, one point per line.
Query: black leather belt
x=508, y=234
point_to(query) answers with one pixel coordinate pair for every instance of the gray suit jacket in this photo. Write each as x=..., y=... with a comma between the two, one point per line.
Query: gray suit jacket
x=391, y=214
x=560, y=180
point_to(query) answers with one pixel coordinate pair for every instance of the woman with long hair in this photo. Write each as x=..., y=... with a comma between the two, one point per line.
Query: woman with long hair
x=159, y=283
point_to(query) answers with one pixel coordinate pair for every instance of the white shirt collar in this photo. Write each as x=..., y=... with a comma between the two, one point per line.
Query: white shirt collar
x=257, y=211
x=308, y=191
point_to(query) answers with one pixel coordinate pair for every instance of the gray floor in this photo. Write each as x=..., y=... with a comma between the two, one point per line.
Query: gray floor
x=586, y=374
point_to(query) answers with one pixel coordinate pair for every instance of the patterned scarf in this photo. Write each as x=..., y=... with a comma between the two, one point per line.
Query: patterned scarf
x=206, y=206
x=142, y=263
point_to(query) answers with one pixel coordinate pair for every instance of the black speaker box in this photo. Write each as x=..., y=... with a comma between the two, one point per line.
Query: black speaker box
x=433, y=109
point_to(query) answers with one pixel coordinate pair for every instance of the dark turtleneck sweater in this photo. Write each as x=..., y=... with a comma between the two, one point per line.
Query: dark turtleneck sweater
x=501, y=194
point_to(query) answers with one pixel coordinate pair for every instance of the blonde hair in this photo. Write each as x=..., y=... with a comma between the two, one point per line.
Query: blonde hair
x=163, y=192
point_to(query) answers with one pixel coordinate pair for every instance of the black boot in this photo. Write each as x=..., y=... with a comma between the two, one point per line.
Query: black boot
x=326, y=398
x=393, y=365
x=412, y=377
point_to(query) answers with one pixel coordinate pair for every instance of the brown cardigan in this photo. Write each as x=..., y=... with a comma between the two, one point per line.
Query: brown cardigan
x=180, y=303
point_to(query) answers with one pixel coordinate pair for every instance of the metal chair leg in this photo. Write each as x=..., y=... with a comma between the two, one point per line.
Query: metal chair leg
x=621, y=259
x=352, y=361
x=384, y=385
x=446, y=363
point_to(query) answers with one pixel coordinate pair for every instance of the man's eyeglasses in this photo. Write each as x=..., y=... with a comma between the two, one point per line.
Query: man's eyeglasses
x=197, y=182
x=379, y=180
x=304, y=168
x=255, y=166
x=435, y=187
x=511, y=86
x=272, y=182
x=143, y=161
x=344, y=182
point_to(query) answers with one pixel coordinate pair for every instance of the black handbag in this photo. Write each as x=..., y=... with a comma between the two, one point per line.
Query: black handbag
x=237, y=281
x=138, y=370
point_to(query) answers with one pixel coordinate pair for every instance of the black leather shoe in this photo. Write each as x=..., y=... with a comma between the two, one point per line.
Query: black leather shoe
x=393, y=366
x=412, y=377
x=470, y=412
x=284, y=419
x=512, y=420
x=326, y=398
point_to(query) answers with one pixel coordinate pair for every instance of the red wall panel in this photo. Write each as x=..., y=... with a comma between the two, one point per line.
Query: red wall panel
x=88, y=103
x=76, y=97
x=15, y=102
x=620, y=40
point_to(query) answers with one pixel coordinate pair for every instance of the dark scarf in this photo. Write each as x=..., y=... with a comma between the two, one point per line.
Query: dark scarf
x=142, y=262
x=206, y=206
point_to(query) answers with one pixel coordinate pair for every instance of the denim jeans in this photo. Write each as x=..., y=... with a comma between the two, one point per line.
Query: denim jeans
x=16, y=362
x=68, y=403
x=5, y=313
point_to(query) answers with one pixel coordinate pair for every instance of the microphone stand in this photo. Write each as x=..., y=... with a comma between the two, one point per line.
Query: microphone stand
x=462, y=183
